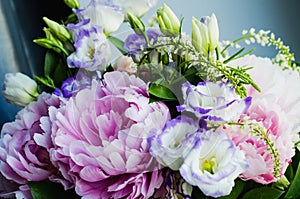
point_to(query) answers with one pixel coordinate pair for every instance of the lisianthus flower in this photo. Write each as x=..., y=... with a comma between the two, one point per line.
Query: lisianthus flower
x=137, y=8
x=213, y=164
x=100, y=138
x=24, y=144
x=171, y=144
x=135, y=44
x=213, y=101
x=98, y=13
x=72, y=85
x=92, y=50
x=19, y=89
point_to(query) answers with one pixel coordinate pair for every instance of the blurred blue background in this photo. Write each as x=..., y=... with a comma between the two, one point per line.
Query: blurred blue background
x=21, y=22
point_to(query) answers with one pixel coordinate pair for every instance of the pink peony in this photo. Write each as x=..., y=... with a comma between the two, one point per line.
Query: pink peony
x=22, y=156
x=274, y=110
x=277, y=85
x=100, y=139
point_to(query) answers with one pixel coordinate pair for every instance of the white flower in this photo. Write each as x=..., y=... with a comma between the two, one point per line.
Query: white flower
x=171, y=144
x=168, y=22
x=137, y=8
x=109, y=17
x=212, y=101
x=126, y=64
x=213, y=164
x=19, y=89
x=205, y=34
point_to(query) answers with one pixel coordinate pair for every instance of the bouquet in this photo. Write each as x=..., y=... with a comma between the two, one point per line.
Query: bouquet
x=155, y=113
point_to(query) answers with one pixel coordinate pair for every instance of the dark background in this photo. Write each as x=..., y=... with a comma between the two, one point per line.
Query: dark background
x=20, y=23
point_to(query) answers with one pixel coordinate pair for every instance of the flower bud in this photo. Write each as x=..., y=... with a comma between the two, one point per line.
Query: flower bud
x=168, y=22
x=136, y=24
x=126, y=64
x=72, y=3
x=205, y=34
x=19, y=89
x=58, y=30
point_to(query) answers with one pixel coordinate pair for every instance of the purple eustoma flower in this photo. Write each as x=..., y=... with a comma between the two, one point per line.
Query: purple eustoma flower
x=135, y=44
x=213, y=164
x=80, y=81
x=92, y=50
x=100, y=138
x=213, y=101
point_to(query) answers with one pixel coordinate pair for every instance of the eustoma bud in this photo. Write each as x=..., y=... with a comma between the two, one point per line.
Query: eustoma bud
x=72, y=3
x=19, y=89
x=168, y=22
x=57, y=29
x=205, y=34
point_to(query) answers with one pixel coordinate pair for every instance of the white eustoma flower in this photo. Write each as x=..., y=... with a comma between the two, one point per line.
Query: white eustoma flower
x=171, y=144
x=213, y=101
x=19, y=89
x=137, y=8
x=107, y=16
x=92, y=50
x=205, y=34
x=213, y=164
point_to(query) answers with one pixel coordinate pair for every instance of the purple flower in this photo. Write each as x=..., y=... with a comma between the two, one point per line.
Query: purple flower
x=213, y=101
x=72, y=85
x=171, y=144
x=23, y=145
x=213, y=164
x=92, y=50
x=100, y=138
x=135, y=44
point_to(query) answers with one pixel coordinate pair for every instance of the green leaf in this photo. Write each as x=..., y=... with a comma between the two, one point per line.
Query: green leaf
x=263, y=193
x=234, y=56
x=293, y=191
x=51, y=62
x=50, y=190
x=119, y=44
x=236, y=191
x=162, y=92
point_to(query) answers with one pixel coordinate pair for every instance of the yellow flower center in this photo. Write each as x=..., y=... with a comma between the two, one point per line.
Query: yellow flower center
x=208, y=165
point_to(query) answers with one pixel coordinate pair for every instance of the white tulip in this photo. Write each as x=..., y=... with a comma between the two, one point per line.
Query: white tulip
x=19, y=89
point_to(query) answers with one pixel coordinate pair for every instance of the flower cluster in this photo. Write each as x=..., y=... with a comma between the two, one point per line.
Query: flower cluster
x=174, y=116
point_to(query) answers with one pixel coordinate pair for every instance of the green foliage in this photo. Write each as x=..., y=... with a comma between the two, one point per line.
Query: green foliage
x=50, y=190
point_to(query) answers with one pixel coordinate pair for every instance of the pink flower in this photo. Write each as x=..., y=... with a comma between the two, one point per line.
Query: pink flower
x=22, y=156
x=273, y=110
x=280, y=87
x=100, y=139
x=261, y=160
